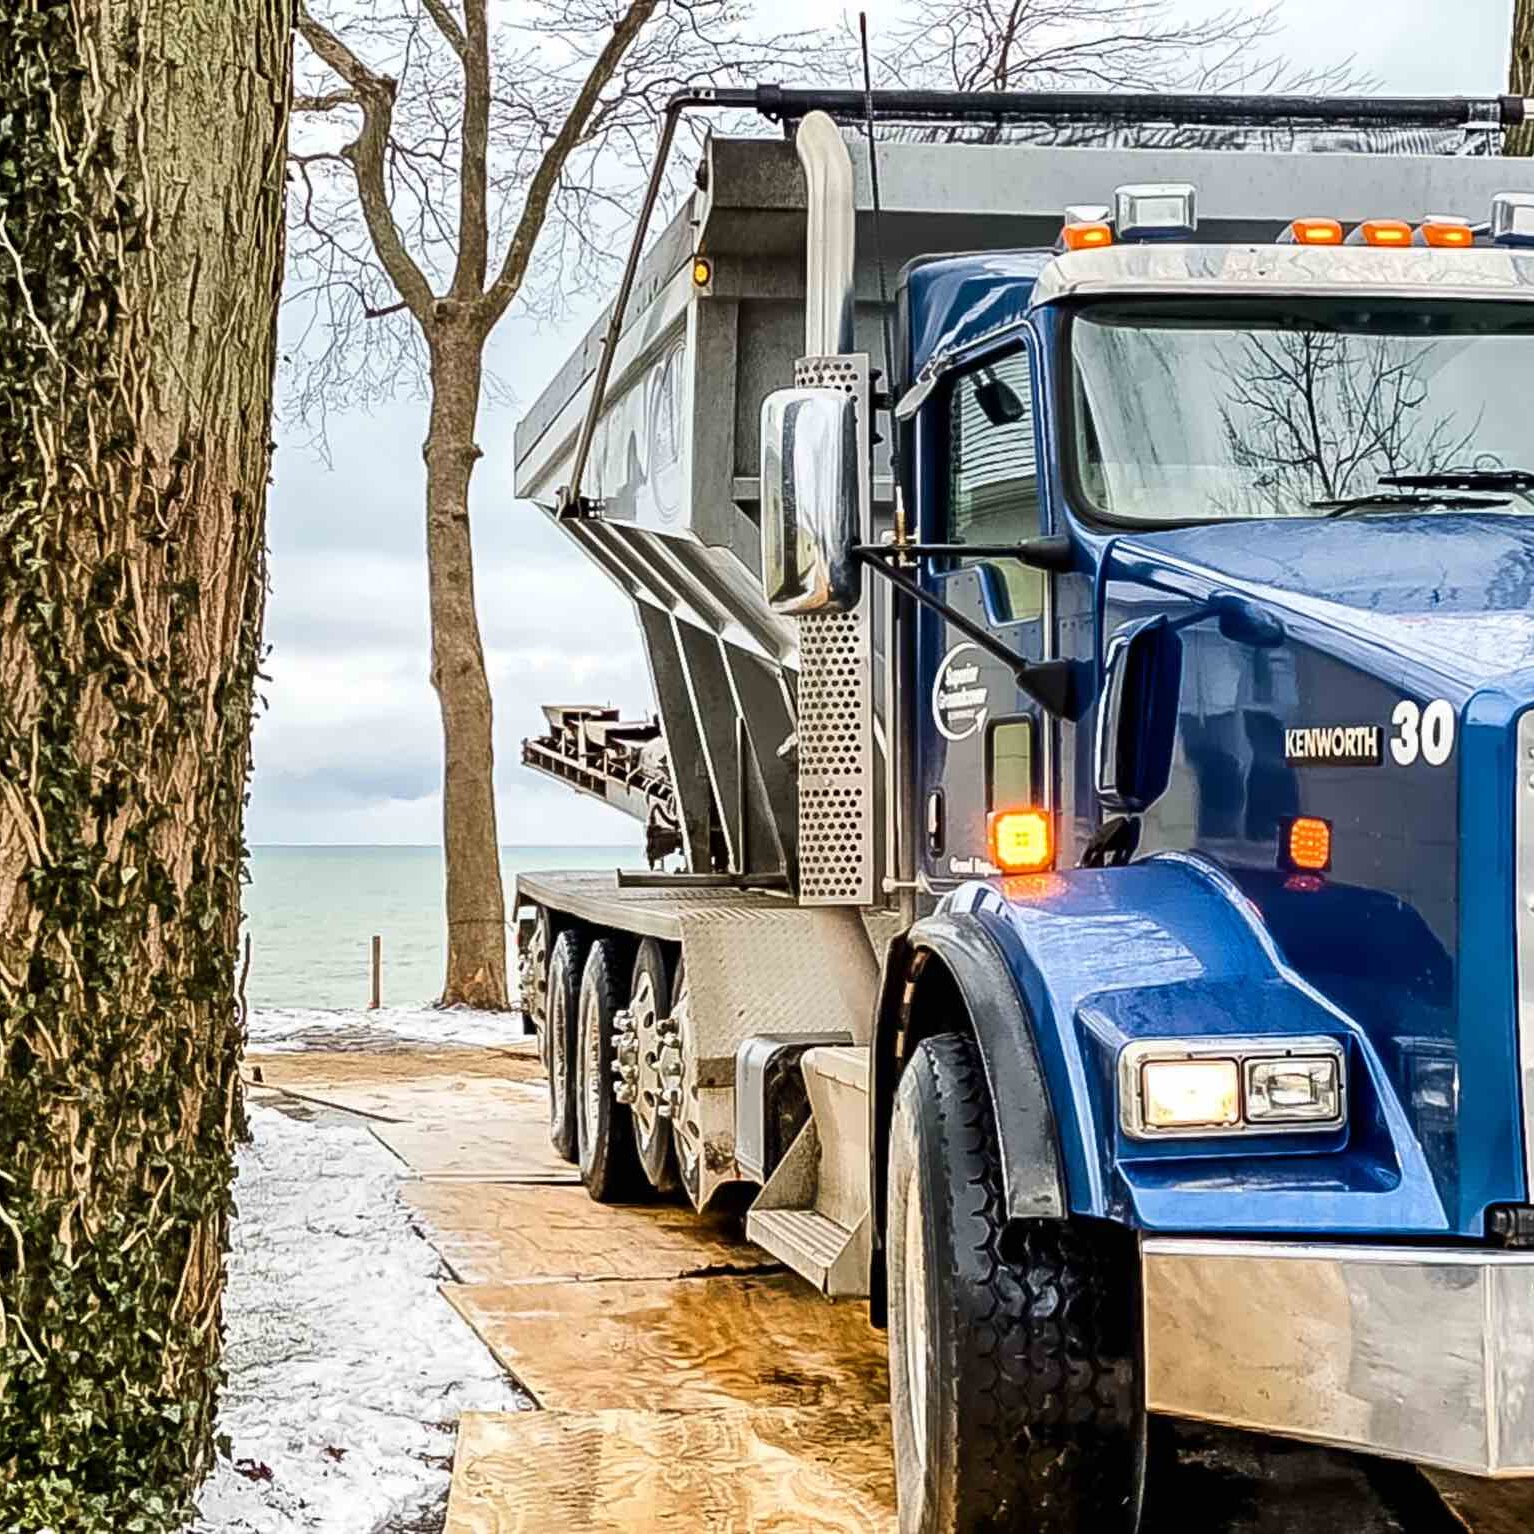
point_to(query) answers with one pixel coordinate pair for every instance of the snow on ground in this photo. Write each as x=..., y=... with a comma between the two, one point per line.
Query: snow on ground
x=289, y=1028
x=347, y=1369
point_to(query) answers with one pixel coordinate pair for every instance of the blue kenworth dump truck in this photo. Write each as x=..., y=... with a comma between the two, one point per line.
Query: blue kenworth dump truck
x=1084, y=552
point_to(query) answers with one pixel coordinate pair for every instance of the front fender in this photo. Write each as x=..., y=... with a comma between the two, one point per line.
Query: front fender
x=1170, y=947
x=1032, y=1177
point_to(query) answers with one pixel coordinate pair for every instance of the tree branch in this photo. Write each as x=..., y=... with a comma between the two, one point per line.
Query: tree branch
x=473, y=196
x=366, y=155
x=447, y=25
x=546, y=178
x=326, y=103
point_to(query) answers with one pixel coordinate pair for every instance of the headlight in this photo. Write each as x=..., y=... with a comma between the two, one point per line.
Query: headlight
x=1227, y=1086
x=1182, y=1094
x=1297, y=1090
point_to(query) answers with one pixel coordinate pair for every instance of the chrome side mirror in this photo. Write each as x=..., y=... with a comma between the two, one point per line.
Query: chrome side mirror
x=810, y=520
x=1137, y=716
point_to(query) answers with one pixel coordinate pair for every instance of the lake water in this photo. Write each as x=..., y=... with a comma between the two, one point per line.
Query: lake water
x=312, y=911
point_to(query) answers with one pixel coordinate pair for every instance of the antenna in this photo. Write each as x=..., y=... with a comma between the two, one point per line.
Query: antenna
x=884, y=306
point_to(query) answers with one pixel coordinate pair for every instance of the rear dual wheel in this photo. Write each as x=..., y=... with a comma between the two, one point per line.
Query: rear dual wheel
x=650, y=1009
x=561, y=1007
x=609, y=1161
x=1015, y=1380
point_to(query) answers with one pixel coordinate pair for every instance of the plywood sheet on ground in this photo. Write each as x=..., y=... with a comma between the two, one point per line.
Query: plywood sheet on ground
x=505, y=1234
x=510, y=1062
x=495, y=1131
x=824, y=1470
x=690, y=1345
x=1486, y=1507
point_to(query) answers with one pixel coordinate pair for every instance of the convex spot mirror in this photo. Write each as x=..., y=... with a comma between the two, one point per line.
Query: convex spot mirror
x=810, y=514
x=1137, y=716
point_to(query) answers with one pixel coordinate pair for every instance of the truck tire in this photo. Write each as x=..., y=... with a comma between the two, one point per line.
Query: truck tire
x=561, y=1005
x=650, y=1005
x=604, y=1127
x=1016, y=1382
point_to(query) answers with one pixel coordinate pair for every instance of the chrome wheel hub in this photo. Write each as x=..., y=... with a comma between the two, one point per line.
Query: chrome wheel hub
x=678, y=1093
x=625, y=1058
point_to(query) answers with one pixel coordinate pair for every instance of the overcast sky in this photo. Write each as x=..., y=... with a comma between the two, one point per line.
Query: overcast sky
x=349, y=749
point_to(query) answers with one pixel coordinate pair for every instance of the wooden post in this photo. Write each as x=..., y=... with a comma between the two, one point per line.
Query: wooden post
x=376, y=992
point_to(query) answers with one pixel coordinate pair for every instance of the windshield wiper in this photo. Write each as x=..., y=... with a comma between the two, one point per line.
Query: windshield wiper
x=1383, y=499
x=1517, y=481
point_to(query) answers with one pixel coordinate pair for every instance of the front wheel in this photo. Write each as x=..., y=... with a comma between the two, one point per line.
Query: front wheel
x=1016, y=1382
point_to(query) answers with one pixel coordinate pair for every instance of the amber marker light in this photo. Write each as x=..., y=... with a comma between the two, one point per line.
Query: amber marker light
x=1022, y=841
x=1308, y=844
x=1384, y=231
x=1446, y=233
x=1086, y=236
x=1315, y=231
x=702, y=271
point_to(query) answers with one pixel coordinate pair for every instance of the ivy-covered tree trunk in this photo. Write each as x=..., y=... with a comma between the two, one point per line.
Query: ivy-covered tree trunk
x=141, y=164
x=1521, y=73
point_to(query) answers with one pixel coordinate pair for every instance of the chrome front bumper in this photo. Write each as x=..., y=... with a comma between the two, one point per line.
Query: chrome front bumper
x=1413, y=1352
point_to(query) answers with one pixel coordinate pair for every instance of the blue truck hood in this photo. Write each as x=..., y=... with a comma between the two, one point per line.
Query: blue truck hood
x=1456, y=591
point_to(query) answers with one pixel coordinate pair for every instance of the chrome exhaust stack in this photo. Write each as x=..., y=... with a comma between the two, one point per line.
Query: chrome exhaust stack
x=831, y=236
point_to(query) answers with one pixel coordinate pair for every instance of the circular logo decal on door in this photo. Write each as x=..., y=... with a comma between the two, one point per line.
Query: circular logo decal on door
x=960, y=700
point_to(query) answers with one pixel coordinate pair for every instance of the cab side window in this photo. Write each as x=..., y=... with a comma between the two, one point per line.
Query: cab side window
x=993, y=487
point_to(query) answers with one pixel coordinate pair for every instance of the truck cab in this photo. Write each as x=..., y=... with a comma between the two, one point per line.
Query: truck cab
x=1146, y=1028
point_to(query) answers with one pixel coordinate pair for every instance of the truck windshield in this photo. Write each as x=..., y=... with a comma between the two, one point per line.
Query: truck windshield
x=1272, y=408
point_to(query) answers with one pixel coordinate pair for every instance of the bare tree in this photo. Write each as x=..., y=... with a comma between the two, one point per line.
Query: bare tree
x=1088, y=45
x=453, y=144
x=1322, y=415
x=141, y=206
x=1521, y=73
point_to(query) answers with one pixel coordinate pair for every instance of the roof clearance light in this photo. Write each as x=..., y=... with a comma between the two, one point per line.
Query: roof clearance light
x=1160, y=212
x=1381, y=231
x=1312, y=231
x=1022, y=841
x=1445, y=233
x=1512, y=218
x=1086, y=228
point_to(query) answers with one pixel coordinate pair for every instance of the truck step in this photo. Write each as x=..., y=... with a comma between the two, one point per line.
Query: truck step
x=825, y=1253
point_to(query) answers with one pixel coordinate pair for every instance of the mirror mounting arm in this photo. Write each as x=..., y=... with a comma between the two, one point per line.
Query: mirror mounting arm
x=1061, y=687
x=1053, y=554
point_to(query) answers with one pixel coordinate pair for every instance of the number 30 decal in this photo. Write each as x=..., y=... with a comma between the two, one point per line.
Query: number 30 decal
x=1425, y=732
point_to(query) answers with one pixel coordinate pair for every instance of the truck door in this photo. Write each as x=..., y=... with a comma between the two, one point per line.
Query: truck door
x=981, y=742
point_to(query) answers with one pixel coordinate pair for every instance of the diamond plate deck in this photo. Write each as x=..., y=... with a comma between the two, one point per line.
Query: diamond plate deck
x=756, y=962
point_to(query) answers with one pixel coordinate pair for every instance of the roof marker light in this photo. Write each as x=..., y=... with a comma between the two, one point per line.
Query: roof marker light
x=1022, y=840
x=1087, y=227
x=1444, y=232
x=1382, y=231
x=1512, y=218
x=1156, y=212
x=1312, y=231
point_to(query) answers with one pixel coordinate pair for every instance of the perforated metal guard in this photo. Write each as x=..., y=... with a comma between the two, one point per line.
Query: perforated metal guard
x=836, y=735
